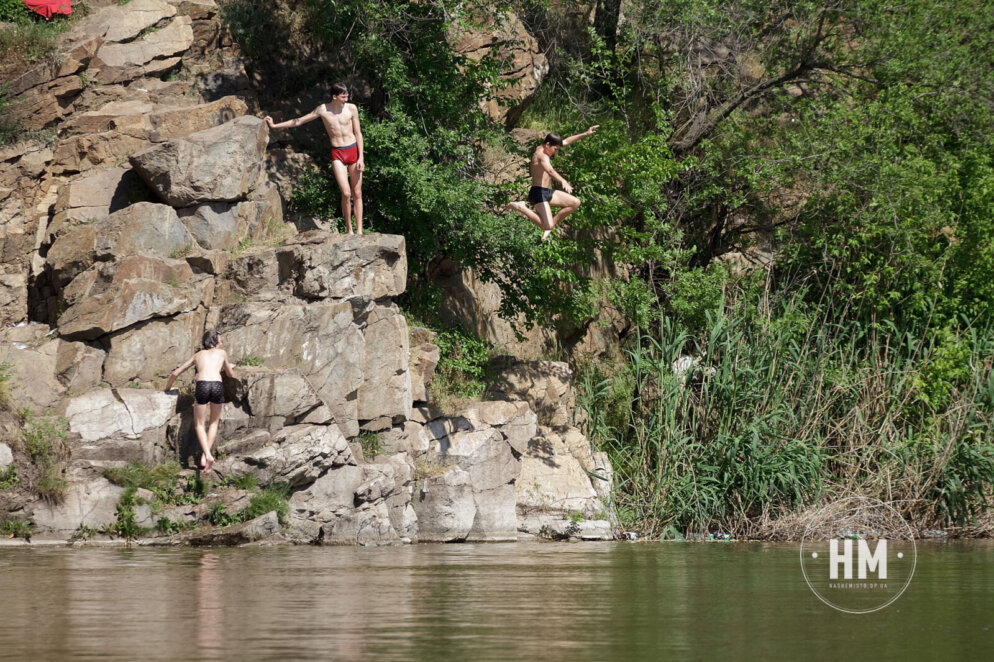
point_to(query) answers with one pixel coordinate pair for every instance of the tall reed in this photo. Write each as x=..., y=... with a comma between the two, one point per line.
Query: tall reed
x=786, y=409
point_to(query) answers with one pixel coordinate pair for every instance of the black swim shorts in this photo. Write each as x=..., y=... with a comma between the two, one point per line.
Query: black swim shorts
x=539, y=194
x=209, y=392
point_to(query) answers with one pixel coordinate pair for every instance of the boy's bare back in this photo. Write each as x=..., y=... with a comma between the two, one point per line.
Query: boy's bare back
x=210, y=363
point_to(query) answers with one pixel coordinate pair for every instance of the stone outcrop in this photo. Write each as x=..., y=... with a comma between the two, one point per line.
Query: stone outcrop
x=524, y=65
x=152, y=218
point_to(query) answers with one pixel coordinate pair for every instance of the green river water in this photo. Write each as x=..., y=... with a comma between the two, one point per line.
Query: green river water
x=589, y=601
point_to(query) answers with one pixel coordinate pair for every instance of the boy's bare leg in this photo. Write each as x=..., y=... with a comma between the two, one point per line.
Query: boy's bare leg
x=568, y=203
x=199, y=416
x=355, y=177
x=544, y=211
x=522, y=208
x=212, y=431
x=342, y=177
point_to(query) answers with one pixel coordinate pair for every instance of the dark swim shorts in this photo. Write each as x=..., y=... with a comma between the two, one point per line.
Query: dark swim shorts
x=209, y=392
x=539, y=194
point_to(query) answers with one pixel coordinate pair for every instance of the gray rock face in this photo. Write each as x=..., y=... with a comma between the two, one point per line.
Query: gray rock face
x=297, y=455
x=386, y=387
x=221, y=164
x=124, y=22
x=324, y=265
x=101, y=414
x=146, y=353
x=445, y=506
x=123, y=305
x=6, y=456
x=278, y=398
x=32, y=367
x=153, y=53
x=93, y=502
x=545, y=385
x=214, y=226
x=142, y=228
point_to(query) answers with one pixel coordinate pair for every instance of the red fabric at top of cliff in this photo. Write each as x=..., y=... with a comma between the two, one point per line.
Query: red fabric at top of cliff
x=48, y=7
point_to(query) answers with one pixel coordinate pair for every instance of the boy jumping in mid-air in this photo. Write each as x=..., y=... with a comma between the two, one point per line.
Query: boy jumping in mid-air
x=541, y=194
x=341, y=121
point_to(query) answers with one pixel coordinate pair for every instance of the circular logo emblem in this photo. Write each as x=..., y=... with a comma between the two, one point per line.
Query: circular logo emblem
x=858, y=555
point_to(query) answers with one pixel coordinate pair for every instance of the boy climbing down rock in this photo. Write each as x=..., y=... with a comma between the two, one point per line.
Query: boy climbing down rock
x=210, y=361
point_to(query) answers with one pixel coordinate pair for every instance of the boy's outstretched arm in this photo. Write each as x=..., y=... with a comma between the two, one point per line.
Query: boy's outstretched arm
x=177, y=372
x=588, y=132
x=313, y=115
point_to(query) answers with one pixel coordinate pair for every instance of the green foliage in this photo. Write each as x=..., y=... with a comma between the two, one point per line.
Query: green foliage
x=218, y=515
x=273, y=498
x=16, y=528
x=14, y=11
x=462, y=364
x=250, y=360
x=246, y=482
x=771, y=420
x=5, y=376
x=371, y=443
x=9, y=478
x=162, y=480
x=166, y=526
x=126, y=525
x=45, y=439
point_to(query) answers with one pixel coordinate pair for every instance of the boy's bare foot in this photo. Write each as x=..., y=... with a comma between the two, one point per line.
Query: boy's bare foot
x=516, y=206
x=207, y=467
x=203, y=460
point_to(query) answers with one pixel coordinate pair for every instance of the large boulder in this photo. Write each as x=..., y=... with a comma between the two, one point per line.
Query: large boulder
x=118, y=23
x=92, y=503
x=142, y=228
x=545, y=385
x=445, y=506
x=386, y=387
x=94, y=197
x=221, y=164
x=154, y=53
x=324, y=265
x=127, y=413
x=146, y=353
x=322, y=341
x=297, y=455
x=125, y=303
x=31, y=354
x=278, y=398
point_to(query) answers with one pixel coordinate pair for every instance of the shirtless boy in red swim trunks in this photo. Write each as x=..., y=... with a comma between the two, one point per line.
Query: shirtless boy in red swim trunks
x=341, y=121
x=541, y=195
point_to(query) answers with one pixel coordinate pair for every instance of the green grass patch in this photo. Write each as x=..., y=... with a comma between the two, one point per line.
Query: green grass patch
x=246, y=482
x=273, y=498
x=16, y=528
x=371, y=443
x=249, y=360
x=126, y=525
x=219, y=515
x=45, y=439
x=8, y=478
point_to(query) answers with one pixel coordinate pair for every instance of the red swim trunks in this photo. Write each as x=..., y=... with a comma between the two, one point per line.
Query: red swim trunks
x=347, y=155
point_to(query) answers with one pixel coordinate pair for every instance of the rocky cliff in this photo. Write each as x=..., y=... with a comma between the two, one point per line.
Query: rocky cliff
x=150, y=217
